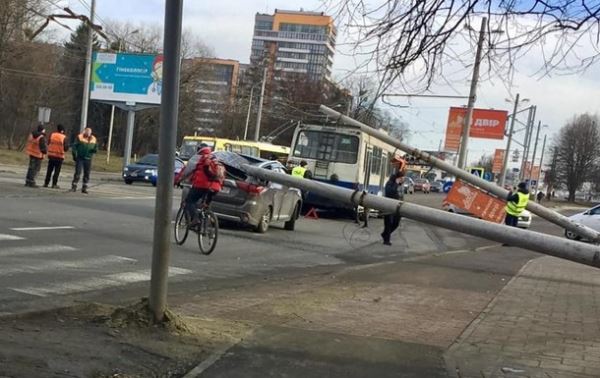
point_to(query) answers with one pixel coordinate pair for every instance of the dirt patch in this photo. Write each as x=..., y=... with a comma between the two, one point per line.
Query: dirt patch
x=95, y=340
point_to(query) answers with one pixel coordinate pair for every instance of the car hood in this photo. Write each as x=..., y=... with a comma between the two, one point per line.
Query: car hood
x=137, y=167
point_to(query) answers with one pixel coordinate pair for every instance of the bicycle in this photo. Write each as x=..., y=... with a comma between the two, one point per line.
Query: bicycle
x=207, y=227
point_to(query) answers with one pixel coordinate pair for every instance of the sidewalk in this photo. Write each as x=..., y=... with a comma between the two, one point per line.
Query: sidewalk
x=544, y=323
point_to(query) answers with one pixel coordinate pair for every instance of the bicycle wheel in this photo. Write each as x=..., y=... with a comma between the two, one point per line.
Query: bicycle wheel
x=181, y=227
x=208, y=232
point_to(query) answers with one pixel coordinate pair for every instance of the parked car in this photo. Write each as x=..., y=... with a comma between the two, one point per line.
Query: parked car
x=524, y=218
x=408, y=185
x=146, y=170
x=589, y=218
x=251, y=201
x=422, y=185
x=437, y=186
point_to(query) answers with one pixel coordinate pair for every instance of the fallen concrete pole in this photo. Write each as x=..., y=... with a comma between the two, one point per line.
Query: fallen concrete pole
x=563, y=248
x=535, y=208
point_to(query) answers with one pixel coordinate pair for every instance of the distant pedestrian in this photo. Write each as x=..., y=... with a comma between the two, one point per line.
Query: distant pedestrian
x=392, y=190
x=57, y=146
x=516, y=203
x=301, y=171
x=540, y=196
x=36, y=149
x=83, y=150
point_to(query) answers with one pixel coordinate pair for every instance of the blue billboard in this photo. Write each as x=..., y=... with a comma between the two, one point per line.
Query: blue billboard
x=124, y=77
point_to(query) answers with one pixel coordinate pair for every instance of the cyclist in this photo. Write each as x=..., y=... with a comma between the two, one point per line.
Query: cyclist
x=206, y=182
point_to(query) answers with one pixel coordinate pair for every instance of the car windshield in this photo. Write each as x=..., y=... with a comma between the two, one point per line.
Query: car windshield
x=149, y=160
x=328, y=146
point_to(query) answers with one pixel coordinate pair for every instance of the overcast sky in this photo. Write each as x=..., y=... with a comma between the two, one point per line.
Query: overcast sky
x=226, y=27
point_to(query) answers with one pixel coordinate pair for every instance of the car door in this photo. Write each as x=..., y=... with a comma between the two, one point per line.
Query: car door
x=290, y=199
x=592, y=218
x=277, y=193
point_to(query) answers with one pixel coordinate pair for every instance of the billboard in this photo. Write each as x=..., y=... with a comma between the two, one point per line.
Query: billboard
x=498, y=161
x=124, y=77
x=476, y=202
x=486, y=123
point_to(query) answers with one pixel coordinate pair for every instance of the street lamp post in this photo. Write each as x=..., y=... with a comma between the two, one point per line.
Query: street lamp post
x=508, y=143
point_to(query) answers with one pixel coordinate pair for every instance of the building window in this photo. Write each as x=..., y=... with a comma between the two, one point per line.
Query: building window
x=263, y=25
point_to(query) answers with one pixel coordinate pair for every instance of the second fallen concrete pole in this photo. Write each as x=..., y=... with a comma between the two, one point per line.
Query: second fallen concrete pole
x=535, y=208
x=583, y=253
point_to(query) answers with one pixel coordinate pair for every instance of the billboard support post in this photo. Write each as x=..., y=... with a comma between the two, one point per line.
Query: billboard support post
x=110, y=131
x=129, y=137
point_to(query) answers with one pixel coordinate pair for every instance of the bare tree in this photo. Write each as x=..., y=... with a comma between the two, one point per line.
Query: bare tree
x=408, y=39
x=577, y=152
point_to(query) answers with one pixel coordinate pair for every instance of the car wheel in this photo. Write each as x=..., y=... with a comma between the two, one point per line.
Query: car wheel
x=128, y=182
x=263, y=224
x=571, y=235
x=291, y=224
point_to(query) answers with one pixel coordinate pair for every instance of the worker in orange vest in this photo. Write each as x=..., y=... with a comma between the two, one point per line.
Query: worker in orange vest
x=36, y=149
x=57, y=146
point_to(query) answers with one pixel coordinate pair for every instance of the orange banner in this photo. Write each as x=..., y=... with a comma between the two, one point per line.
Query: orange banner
x=527, y=170
x=476, y=202
x=498, y=161
x=535, y=173
x=486, y=123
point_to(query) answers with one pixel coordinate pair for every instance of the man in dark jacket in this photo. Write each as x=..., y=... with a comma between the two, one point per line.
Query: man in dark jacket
x=36, y=149
x=83, y=149
x=393, y=190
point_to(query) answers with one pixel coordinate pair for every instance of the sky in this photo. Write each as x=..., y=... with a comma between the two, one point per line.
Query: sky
x=226, y=27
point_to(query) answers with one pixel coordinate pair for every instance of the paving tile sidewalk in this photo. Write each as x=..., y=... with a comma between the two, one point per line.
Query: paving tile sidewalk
x=544, y=323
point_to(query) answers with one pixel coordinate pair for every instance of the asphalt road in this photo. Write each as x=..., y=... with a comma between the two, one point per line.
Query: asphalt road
x=58, y=247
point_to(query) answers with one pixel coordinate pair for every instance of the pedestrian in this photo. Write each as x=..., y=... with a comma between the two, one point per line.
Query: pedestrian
x=516, y=203
x=393, y=188
x=36, y=149
x=57, y=146
x=83, y=150
x=540, y=196
x=301, y=171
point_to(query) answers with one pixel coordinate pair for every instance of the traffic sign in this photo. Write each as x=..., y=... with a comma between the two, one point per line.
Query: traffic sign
x=448, y=186
x=488, y=176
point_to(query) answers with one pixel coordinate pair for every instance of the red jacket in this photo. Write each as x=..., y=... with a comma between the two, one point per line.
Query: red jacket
x=201, y=179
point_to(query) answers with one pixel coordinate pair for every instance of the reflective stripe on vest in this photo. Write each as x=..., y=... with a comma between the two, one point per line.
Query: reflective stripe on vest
x=33, y=147
x=298, y=171
x=56, y=145
x=515, y=209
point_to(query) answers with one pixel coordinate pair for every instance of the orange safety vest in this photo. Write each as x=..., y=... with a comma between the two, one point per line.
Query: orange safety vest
x=56, y=145
x=33, y=147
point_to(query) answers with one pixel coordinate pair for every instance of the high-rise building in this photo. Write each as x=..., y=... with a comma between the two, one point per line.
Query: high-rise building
x=294, y=42
x=217, y=89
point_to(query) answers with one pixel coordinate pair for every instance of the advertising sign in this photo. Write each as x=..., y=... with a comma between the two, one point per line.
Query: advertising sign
x=498, y=161
x=476, y=202
x=486, y=123
x=123, y=77
x=535, y=172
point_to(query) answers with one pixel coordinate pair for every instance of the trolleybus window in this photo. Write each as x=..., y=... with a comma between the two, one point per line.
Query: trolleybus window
x=328, y=146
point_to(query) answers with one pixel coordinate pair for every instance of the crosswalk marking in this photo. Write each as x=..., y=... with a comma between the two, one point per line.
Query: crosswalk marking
x=42, y=228
x=56, y=265
x=34, y=250
x=10, y=237
x=102, y=282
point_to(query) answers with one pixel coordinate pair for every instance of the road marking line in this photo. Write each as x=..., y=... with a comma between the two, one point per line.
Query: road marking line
x=89, y=284
x=10, y=237
x=90, y=263
x=34, y=250
x=42, y=228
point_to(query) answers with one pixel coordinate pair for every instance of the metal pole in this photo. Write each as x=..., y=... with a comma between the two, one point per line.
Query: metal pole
x=260, y=105
x=547, y=244
x=128, y=137
x=85, y=99
x=537, y=136
x=166, y=150
x=248, y=115
x=507, y=151
x=110, y=131
x=543, y=212
x=530, y=118
x=537, y=179
x=464, y=142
